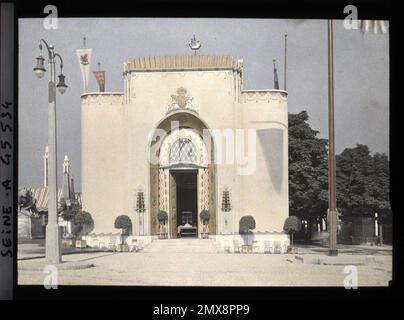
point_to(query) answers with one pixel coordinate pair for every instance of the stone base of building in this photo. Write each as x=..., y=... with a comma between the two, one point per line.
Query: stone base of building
x=270, y=242
x=104, y=241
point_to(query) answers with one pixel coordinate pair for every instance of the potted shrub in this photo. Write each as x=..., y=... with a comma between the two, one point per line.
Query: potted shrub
x=246, y=224
x=124, y=223
x=162, y=218
x=83, y=221
x=205, y=217
x=292, y=224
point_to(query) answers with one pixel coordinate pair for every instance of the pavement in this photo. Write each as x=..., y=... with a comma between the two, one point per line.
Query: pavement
x=169, y=263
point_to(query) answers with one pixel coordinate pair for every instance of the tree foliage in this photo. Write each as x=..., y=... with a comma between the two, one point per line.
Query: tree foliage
x=362, y=182
x=362, y=179
x=308, y=175
x=26, y=200
x=123, y=222
x=204, y=215
x=68, y=215
x=162, y=216
x=246, y=224
x=292, y=224
x=83, y=219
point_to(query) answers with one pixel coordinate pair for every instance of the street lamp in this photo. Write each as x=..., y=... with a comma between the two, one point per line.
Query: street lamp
x=40, y=69
x=53, y=251
x=61, y=85
x=332, y=198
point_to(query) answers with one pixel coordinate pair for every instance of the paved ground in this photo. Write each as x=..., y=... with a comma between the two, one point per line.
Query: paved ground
x=206, y=268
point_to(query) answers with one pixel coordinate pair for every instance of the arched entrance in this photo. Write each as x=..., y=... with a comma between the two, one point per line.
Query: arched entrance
x=182, y=180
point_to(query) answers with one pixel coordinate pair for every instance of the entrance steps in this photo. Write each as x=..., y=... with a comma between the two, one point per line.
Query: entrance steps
x=182, y=245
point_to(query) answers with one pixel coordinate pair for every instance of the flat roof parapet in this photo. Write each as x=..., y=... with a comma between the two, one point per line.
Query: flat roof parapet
x=182, y=63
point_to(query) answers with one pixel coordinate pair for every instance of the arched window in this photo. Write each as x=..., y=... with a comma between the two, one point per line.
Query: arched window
x=183, y=151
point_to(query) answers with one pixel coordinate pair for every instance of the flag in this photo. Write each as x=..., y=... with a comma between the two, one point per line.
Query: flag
x=84, y=58
x=276, y=82
x=375, y=25
x=100, y=77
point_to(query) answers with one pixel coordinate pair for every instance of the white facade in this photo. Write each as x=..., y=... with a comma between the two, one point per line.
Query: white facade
x=199, y=93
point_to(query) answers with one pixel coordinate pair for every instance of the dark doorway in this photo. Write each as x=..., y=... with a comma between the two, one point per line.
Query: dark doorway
x=187, y=199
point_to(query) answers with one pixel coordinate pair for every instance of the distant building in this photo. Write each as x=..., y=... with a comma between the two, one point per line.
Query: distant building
x=33, y=204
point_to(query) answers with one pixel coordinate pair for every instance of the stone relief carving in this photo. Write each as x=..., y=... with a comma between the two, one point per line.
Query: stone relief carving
x=181, y=101
x=204, y=190
x=163, y=190
x=263, y=96
x=111, y=98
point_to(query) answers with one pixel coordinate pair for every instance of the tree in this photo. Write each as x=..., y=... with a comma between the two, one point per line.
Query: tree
x=292, y=224
x=246, y=224
x=362, y=179
x=205, y=216
x=123, y=222
x=162, y=217
x=26, y=201
x=68, y=215
x=308, y=171
x=83, y=219
x=362, y=182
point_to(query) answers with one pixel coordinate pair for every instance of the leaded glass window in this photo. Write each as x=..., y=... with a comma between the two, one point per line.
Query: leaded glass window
x=183, y=151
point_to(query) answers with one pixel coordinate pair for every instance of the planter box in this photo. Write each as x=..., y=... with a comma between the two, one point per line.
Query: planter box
x=292, y=249
x=123, y=247
x=246, y=248
x=68, y=243
x=82, y=244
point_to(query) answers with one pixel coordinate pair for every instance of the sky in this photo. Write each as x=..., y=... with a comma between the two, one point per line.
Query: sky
x=361, y=80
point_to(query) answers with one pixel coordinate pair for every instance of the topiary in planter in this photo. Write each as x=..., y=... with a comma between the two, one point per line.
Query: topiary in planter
x=246, y=224
x=124, y=223
x=205, y=216
x=83, y=219
x=292, y=224
x=162, y=217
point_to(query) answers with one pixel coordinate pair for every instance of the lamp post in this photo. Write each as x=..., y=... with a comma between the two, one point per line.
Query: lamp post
x=332, y=202
x=53, y=251
x=140, y=208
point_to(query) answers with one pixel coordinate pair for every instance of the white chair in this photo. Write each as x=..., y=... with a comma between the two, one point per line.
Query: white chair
x=284, y=247
x=268, y=247
x=277, y=247
x=227, y=247
x=112, y=243
x=134, y=246
x=236, y=246
x=255, y=246
x=140, y=244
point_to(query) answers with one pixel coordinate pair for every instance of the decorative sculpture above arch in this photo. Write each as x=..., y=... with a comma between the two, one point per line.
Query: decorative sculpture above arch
x=182, y=100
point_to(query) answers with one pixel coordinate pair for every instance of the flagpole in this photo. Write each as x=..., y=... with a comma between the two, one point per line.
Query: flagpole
x=332, y=214
x=286, y=62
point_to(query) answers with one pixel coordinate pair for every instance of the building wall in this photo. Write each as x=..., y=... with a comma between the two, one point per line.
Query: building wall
x=264, y=193
x=150, y=96
x=29, y=227
x=115, y=144
x=103, y=158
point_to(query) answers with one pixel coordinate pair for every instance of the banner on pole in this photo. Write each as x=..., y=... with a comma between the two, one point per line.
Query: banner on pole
x=84, y=58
